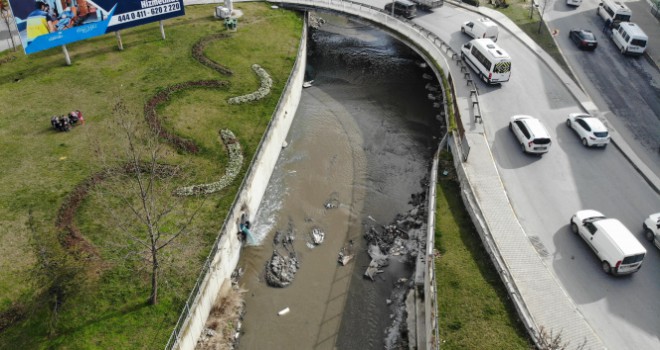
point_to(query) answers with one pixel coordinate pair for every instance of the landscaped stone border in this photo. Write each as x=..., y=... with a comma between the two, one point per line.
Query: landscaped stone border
x=264, y=89
x=233, y=168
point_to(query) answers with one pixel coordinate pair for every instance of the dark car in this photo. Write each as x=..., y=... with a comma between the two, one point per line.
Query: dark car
x=405, y=8
x=583, y=38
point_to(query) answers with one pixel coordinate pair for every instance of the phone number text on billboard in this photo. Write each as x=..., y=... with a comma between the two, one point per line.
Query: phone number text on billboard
x=145, y=13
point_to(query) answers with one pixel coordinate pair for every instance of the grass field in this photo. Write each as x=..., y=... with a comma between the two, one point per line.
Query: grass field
x=474, y=309
x=104, y=302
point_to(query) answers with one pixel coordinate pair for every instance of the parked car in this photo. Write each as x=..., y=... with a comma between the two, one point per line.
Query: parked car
x=583, y=38
x=531, y=134
x=590, y=130
x=616, y=247
x=652, y=229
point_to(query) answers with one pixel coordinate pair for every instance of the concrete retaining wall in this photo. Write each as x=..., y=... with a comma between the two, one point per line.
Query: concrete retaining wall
x=215, y=277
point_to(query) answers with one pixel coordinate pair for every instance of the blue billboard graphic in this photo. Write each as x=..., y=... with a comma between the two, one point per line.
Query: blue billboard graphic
x=44, y=24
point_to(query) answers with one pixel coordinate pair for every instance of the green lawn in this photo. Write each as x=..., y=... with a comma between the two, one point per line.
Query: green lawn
x=474, y=309
x=105, y=299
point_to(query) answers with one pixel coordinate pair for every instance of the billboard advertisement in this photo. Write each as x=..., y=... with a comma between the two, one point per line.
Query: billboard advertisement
x=44, y=24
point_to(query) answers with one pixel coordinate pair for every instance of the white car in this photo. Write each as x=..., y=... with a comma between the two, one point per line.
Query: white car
x=590, y=129
x=652, y=229
x=531, y=134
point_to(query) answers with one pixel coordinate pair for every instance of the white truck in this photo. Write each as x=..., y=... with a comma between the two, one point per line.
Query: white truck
x=481, y=29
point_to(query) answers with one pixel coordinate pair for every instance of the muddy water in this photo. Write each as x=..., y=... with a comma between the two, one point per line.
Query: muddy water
x=362, y=138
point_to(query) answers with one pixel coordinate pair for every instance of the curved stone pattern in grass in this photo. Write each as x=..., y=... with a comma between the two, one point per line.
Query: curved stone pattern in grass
x=264, y=89
x=233, y=168
x=198, y=53
x=73, y=240
x=164, y=95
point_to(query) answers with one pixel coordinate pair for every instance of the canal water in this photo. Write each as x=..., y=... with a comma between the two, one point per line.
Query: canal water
x=360, y=146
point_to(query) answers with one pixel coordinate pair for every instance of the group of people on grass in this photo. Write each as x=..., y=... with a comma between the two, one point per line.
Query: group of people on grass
x=65, y=122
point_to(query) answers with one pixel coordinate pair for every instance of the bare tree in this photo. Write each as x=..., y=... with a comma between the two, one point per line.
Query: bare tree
x=6, y=15
x=149, y=214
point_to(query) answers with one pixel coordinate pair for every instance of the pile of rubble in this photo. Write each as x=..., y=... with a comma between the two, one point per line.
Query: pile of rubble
x=396, y=239
x=282, y=268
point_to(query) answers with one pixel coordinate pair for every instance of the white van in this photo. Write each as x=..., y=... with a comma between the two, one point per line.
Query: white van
x=481, y=28
x=617, y=248
x=630, y=38
x=614, y=12
x=487, y=59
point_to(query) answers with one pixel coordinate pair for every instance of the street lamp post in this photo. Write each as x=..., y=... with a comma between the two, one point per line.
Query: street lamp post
x=531, y=8
x=545, y=4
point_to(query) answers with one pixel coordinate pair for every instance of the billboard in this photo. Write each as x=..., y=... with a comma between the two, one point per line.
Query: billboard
x=44, y=24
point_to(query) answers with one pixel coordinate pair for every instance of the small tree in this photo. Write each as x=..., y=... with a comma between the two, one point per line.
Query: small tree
x=6, y=15
x=149, y=214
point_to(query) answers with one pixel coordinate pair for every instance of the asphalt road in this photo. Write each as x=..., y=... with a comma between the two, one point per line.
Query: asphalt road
x=625, y=89
x=545, y=191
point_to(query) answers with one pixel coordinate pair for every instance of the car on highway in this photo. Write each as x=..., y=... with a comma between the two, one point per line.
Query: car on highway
x=583, y=38
x=404, y=8
x=531, y=134
x=617, y=248
x=590, y=130
x=652, y=229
